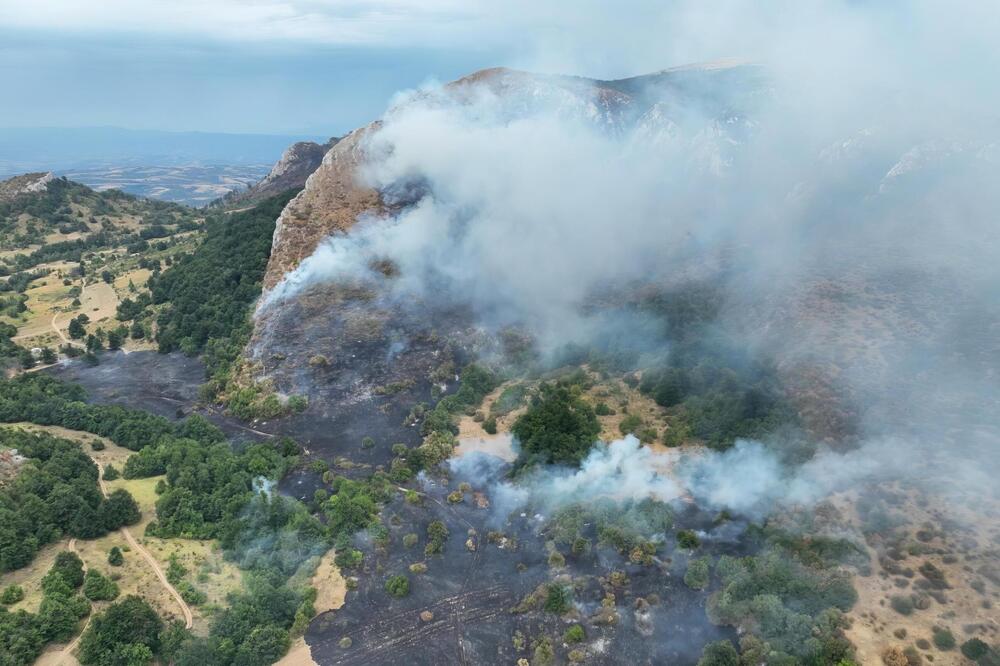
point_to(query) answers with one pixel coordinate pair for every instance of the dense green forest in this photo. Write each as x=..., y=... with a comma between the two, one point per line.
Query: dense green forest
x=208, y=294
x=54, y=495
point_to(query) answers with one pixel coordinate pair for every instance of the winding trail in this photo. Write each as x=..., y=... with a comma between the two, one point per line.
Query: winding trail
x=58, y=330
x=154, y=565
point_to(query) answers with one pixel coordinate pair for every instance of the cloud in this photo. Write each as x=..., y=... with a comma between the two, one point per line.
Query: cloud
x=357, y=22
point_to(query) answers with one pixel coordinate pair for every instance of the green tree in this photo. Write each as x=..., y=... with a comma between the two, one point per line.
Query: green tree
x=118, y=510
x=11, y=595
x=115, y=557
x=126, y=623
x=697, y=574
x=263, y=646
x=559, y=427
x=76, y=329
x=69, y=565
x=98, y=587
x=720, y=653
x=398, y=585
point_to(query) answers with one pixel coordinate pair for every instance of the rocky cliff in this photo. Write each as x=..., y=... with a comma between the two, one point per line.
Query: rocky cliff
x=24, y=184
x=337, y=193
x=297, y=163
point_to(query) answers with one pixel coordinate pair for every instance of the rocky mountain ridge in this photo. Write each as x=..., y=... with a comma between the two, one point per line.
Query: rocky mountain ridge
x=297, y=163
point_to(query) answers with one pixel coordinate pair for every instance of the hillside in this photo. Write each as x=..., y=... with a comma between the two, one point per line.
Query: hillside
x=70, y=251
x=534, y=369
x=620, y=239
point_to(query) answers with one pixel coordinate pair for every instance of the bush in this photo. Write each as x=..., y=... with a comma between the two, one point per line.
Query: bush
x=97, y=445
x=630, y=424
x=902, y=605
x=115, y=557
x=943, y=638
x=974, y=649
x=602, y=409
x=697, y=575
x=398, y=585
x=556, y=599
x=490, y=425
x=110, y=473
x=688, y=540
x=574, y=634
x=97, y=587
x=11, y=595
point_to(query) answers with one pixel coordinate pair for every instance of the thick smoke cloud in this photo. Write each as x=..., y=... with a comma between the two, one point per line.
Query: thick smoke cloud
x=863, y=151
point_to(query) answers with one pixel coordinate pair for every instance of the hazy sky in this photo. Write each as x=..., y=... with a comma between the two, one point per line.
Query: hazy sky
x=292, y=66
x=218, y=65
x=327, y=66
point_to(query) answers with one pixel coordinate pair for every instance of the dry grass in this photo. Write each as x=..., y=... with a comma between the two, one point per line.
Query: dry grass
x=961, y=552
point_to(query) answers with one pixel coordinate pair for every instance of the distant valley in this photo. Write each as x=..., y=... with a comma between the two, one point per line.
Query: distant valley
x=191, y=184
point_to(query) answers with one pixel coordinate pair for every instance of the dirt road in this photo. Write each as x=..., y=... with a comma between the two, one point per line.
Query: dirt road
x=135, y=545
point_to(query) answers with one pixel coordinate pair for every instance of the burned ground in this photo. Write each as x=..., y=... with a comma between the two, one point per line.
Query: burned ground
x=482, y=599
x=362, y=364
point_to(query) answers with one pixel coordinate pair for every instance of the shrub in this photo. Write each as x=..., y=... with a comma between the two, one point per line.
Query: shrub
x=110, y=473
x=97, y=445
x=490, y=425
x=943, y=638
x=697, y=575
x=574, y=634
x=974, y=649
x=11, y=595
x=398, y=585
x=97, y=587
x=630, y=424
x=902, y=605
x=115, y=557
x=688, y=540
x=556, y=599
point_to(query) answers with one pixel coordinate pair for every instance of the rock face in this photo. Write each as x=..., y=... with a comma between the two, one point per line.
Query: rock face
x=336, y=194
x=297, y=163
x=24, y=184
x=332, y=200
